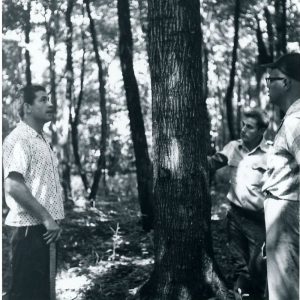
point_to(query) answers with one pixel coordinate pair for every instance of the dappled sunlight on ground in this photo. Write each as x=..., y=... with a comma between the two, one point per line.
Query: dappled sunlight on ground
x=104, y=254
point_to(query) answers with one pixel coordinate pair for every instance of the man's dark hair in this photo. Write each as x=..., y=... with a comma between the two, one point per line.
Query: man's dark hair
x=261, y=117
x=28, y=95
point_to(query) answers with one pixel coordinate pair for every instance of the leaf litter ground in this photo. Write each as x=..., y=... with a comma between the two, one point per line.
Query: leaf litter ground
x=104, y=254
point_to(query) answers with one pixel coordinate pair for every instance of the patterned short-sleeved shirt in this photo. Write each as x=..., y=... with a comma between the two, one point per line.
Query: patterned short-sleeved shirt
x=283, y=174
x=27, y=152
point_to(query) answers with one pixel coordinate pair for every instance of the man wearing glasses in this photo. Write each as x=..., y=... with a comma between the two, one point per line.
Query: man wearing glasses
x=282, y=185
x=33, y=195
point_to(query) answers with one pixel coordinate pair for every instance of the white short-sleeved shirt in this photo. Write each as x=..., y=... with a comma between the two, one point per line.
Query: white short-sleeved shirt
x=246, y=172
x=27, y=152
x=283, y=174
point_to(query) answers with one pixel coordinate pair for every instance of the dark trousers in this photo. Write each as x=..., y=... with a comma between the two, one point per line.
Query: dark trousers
x=30, y=264
x=246, y=232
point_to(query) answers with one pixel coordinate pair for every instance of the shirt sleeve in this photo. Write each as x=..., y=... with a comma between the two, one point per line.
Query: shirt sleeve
x=292, y=128
x=16, y=158
x=219, y=159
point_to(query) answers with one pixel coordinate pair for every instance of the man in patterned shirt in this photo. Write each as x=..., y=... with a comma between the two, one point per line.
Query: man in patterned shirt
x=33, y=195
x=282, y=186
x=246, y=159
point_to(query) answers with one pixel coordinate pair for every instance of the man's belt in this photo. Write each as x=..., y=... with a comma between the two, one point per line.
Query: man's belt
x=249, y=214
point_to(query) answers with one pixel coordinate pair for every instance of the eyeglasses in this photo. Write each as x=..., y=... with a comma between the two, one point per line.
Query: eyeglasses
x=271, y=79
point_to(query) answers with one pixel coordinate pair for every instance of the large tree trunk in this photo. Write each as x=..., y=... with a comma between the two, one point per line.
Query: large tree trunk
x=142, y=160
x=229, y=92
x=183, y=253
x=101, y=163
x=27, y=29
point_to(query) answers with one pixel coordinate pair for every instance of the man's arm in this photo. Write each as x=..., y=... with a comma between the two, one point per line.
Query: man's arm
x=217, y=161
x=16, y=187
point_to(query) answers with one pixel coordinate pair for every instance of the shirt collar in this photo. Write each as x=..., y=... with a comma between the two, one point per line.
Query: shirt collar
x=29, y=129
x=262, y=146
x=295, y=107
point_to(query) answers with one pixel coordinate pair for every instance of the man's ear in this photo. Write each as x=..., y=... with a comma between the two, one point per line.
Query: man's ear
x=27, y=108
x=262, y=130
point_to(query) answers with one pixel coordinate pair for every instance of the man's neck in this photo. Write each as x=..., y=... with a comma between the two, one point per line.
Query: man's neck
x=289, y=101
x=251, y=146
x=37, y=126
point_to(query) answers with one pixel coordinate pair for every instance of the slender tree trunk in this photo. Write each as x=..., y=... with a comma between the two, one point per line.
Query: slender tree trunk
x=51, y=28
x=205, y=73
x=270, y=33
x=183, y=253
x=74, y=123
x=27, y=29
x=101, y=163
x=143, y=8
x=238, y=109
x=284, y=29
x=66, y=168
x=142, y=160
x=229, y=92
x=280, y=22
x=263, y=58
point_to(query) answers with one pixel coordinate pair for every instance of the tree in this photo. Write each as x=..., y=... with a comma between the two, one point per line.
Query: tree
x=51, y=27
x=280, y=22
x=66, y=163
x=142, y=160
x=27, y=29
x=229, y=91
x=75, y=121
x=101, y=163
x=184, y=267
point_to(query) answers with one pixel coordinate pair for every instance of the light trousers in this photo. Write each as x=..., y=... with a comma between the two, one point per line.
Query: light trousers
x=282, y=246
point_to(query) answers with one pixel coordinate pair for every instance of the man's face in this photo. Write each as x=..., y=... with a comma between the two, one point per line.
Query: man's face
x=276, y=87
x=41, y=108
x=250, y=132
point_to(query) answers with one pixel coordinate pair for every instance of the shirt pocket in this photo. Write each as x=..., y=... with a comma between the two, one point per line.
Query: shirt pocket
x=233, y=167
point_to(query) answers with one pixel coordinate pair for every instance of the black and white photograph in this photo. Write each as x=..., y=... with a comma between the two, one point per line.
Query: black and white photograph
x=150, y=149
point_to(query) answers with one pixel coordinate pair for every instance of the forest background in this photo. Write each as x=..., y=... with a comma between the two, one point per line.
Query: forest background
x=93, y=57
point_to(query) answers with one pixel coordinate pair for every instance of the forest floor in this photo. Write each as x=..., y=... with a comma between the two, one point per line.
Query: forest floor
x=104, y=254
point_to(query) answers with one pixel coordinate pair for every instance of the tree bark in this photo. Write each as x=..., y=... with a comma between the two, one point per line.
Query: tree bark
x=183, y=253
x=27, y=29
x=229, y=92
x=205, y=73
x=101, y=163
x=142, y=160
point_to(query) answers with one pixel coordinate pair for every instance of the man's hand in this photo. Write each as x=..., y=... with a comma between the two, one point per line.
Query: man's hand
x=53, y=231
x=16, y=187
